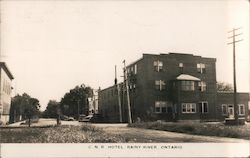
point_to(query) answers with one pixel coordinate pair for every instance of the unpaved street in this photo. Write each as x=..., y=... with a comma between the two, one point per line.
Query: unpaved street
x=148, y=135
x=143, y=135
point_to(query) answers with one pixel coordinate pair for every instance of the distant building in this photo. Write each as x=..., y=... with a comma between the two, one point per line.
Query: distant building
x=225, y=104
x=93, y=103
x=170, y=87
x=5, y=92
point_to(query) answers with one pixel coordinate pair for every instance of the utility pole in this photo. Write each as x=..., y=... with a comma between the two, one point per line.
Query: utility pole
x=118, y=95
x=127, y=89
x=236, y=110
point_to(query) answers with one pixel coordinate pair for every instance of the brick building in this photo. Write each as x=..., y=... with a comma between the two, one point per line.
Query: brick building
x=226, y=105
x=5, y=92
x=167, y=87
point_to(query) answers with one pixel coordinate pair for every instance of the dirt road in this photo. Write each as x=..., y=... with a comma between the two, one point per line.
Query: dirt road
x=143, y=135
x=156, y=136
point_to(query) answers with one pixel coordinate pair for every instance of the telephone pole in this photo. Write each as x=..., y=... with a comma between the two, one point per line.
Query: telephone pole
x=127, y=89
x=236, y=110
x=118, y=95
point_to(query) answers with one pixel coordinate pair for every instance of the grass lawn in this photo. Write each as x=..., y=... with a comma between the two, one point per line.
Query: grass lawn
x=58, y=134
x=207, y=129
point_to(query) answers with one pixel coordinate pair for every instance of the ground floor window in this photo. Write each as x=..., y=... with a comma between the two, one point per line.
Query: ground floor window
x=224, y=109
x=160, y=107
x=188, y=108
x=241, y=109
x=228, y=109
x=203, y=107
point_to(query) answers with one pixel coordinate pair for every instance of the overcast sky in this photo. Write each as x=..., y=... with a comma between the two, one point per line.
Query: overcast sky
x=52, y=46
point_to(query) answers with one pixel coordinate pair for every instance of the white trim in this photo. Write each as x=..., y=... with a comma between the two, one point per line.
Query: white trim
x=135, y=72
x=202, y=85
x=161, y=84
x=158, y=64
x=241, y=114
x=200, y=67
x=190, y=106
x=160, y=104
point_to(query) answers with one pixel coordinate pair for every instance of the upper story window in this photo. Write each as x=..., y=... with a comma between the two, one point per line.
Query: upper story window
x=128, y=70
x=135, y=69
x=202, y=86
x=241, y=109
x=181, y=67
x=160, y=85
x=187, y=85
x=188, y=108
x=132, y=69
x=160, y=107
x=201, y=68
x=158, y=65
x=180, y=64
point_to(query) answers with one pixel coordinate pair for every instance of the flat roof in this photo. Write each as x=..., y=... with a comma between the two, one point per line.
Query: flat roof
x=179, y=54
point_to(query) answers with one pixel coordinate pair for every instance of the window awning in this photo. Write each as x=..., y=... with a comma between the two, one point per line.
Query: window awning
x=187, y=77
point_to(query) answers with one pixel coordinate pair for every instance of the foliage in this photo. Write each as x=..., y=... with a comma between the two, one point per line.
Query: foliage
x=58, y=134
x=52, y=109
x=222, y=86
x=76, y=101
x=219, y=129
x=25, y=106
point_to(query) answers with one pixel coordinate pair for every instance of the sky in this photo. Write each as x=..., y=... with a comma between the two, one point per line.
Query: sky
x=52, y=46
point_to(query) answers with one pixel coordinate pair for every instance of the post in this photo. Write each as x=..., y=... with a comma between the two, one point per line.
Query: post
x=118, y=95
x=127, y=89
x=235, y=87
x=236, y=109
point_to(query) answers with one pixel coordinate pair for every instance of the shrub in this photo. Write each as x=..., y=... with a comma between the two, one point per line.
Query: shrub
x=198, y=128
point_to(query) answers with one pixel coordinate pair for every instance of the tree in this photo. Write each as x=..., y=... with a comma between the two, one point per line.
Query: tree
x=75, y=102
x=24, y=106
x=222, y=86
x=51, y=109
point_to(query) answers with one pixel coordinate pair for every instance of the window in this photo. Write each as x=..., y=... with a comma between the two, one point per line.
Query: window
x=135, y=69
x=202, y=86
x=203, y=107
x=158, y=65
x=128, y=70
x=160, y=85
x=160, y=107
x=241, y=109
x=201, y=68
x=180, y=64
x=188, y=108
x=224, y=109
x=181, y=67
x=187, y=85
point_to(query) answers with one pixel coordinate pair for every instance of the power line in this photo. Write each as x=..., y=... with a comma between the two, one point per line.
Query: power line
x=234, y=71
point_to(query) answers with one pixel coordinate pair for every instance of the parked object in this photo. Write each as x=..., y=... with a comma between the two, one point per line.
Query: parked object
x=85, y=119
